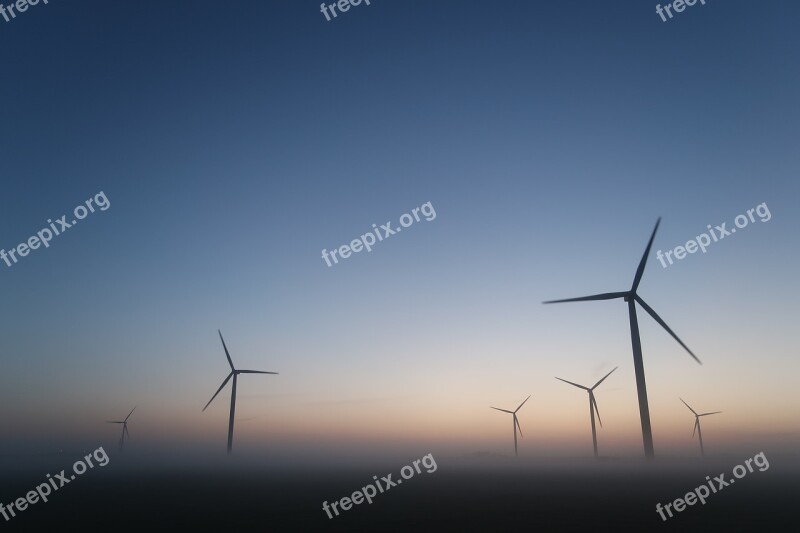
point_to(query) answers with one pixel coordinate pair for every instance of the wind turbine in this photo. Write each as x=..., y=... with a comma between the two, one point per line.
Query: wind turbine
x=234, y=374
x=515, y=422
x=697, y=425
x=592, y=405
x=631, y=297
x=124, y=427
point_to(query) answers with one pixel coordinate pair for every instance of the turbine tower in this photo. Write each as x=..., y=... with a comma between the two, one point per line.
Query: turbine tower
x=592, y=405
x=632, y=297
x=515, y=421
x=697, y=425
x=124, y=427
x=234, y=374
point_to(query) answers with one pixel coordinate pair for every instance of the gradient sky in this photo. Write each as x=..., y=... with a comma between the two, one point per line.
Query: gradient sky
x=237, y=140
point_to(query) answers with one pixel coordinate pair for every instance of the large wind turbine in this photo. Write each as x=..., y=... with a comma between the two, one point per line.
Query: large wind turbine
x=234, y=374
x=515, y=422
x=592, y=405
x=124, y=427
x=632, y=298
x=697, y=425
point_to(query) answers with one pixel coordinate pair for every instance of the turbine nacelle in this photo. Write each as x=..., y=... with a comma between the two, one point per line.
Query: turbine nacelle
x=632, y=296
x=698, y=415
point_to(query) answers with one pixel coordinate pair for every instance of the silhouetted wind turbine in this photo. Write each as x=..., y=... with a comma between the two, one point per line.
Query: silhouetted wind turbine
x=592, y=405
x=234, y=374
x=515, y=422
x=124, y=427
x=697, y=425
x=638, y=364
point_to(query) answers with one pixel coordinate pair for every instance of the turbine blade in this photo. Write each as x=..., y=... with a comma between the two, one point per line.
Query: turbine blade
x=714, y=413
x=571, y=383
x=504, y=410
x=125, y=429
x=253, y=372
x=640, y=271
x=696, y=425
x=596, y=410
x=114, y=422
x=129, y=414
x=604, y=377
x=516, y=420
x=523, y=403
x=218, y=390
x=665, y=326
x=230, y=362
x=604, y=296
x=687, y=405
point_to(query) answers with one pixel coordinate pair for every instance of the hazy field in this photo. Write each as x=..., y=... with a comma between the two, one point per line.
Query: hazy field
x=464, y=494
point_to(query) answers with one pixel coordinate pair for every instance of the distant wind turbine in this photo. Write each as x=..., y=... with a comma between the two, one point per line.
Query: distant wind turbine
x=124, y=427
x=234, y=374
x=592, y=405
x=697, y=425
x=632, y=298
x=515, y=422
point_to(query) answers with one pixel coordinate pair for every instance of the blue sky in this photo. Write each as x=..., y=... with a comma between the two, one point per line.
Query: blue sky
x=235, y=143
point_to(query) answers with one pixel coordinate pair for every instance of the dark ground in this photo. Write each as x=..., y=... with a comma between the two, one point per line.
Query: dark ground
x=463, y=495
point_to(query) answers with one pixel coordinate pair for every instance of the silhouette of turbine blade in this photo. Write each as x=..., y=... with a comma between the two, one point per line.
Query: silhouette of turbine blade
x=230, y=361
x=640, y=271
x=504, y=410
x=604, y=296
x=125, y=429
x=218, y=390
x=129, y=414
x=604, y=377
x=571, y=383
x=114, y=422
x=714, y=413
x=696, y=425
x=596, y=410
x=516, y=421
x=523, y=403
x=687, y=405
x=665, y=326
x=254, y=372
